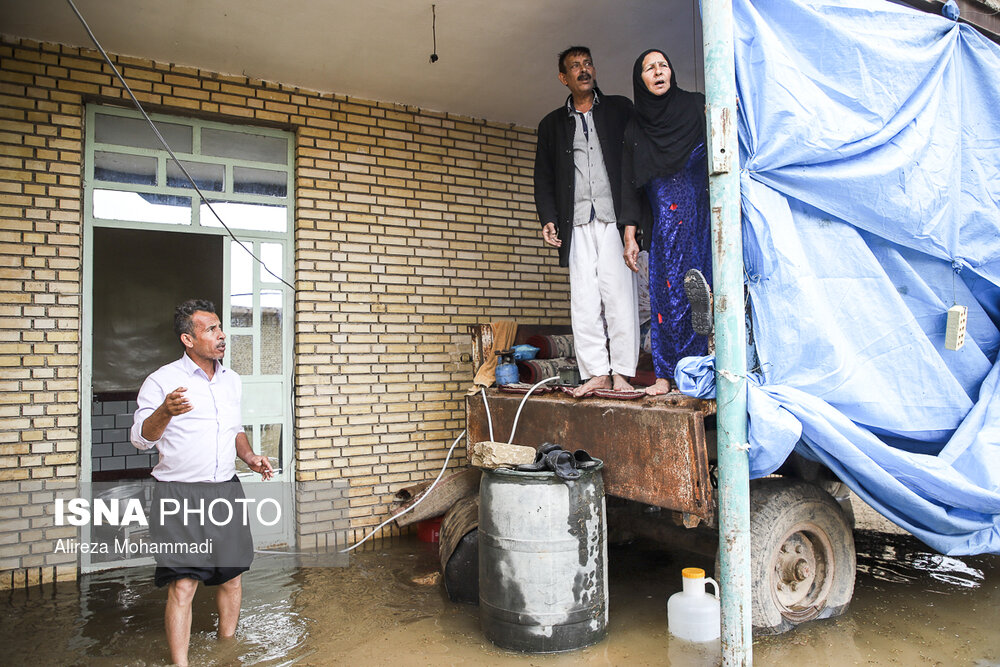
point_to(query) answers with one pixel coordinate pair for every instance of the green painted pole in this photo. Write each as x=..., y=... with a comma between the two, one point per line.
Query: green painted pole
x=730, y=332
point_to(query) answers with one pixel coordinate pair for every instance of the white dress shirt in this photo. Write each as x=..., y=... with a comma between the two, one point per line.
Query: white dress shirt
x=199, y=445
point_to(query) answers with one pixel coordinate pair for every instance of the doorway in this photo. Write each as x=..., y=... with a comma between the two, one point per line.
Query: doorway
x=150, y=242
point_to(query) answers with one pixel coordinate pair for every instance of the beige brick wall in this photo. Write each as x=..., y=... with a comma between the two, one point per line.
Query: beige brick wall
x=410, y=225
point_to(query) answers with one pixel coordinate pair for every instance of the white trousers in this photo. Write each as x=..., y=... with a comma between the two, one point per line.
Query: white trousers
x=600, y=282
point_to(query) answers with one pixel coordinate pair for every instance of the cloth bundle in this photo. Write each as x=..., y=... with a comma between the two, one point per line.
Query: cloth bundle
x=553, y=347
x=536, y=370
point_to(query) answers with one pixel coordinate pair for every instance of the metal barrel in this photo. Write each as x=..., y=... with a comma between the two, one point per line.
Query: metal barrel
x=543, y=560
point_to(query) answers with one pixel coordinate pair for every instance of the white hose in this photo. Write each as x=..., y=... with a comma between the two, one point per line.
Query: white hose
x=489, y=418
x=422, y=498
x=518, y=415
x=447, y=458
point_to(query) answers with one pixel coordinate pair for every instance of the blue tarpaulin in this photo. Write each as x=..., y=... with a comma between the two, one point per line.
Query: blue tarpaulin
x=870, y=155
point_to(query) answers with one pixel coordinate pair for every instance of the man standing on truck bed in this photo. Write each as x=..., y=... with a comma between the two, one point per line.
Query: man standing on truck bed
x=578, y=196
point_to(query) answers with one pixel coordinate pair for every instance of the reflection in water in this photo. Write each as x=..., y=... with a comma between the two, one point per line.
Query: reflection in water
x=388, y=608
x=949, y=570
x=116, y=618
x=897, y=558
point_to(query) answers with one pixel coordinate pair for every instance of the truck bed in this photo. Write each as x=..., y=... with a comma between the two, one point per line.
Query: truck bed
x=654, y=449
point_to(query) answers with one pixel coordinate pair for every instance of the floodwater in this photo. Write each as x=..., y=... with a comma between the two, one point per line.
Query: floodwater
x=388, y=607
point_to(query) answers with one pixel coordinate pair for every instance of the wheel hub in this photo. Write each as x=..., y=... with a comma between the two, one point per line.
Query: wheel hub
x=800, y=573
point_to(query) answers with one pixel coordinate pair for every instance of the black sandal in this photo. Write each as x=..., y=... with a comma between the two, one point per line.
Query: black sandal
x=699, y=295
x=539, y=464
x=562, y=464
x=583, y=459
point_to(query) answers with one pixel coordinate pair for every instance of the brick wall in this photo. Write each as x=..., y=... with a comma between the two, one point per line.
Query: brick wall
x=410, y=225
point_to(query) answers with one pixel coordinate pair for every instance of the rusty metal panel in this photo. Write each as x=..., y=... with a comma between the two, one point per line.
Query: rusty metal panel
x=654, y=449
x=482, y=343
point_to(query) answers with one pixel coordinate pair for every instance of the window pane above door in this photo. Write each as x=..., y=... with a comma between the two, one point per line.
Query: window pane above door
x=260, y=182
x=206, y=176
x=124, y=168
x=239, y=215
x=135, y=132
x=243, y=146
x=142, y=207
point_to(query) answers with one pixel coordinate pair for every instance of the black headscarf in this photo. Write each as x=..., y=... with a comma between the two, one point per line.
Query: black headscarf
x=665, y=129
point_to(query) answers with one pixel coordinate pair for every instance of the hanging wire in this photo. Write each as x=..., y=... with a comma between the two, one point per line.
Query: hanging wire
x=434, y=34
x=955, y=268
x=163, y=141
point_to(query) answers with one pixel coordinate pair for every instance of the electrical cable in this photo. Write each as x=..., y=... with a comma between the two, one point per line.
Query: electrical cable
x=954, y=287
x=434, y=52
x=167, y=147
x=422, y=498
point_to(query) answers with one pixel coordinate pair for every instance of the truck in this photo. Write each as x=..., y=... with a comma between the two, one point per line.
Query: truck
x=659, y=456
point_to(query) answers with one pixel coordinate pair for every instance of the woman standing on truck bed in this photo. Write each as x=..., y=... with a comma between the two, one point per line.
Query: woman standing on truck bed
x=664, y=162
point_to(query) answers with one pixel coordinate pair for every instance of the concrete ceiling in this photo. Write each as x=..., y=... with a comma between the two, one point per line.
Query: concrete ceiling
x=497, y=59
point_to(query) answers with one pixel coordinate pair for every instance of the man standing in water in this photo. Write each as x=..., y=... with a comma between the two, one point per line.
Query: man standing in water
x=190, y=411
x=578, y=196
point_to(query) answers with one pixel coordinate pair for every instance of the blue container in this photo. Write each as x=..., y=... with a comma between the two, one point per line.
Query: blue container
x=506, y=372
x=524, y=352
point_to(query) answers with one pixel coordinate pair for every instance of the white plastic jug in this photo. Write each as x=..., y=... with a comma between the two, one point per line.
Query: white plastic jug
x=693, y=614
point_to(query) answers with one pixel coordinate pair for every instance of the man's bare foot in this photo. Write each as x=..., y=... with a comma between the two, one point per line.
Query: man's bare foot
x=596, y=382
x=661, y=386
x=621, y=384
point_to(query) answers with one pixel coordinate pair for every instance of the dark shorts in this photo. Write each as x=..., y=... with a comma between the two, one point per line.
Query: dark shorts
x=201, y=534
x=210, y=576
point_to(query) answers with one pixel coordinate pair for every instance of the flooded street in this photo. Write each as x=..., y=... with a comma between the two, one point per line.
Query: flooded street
x=388, y=607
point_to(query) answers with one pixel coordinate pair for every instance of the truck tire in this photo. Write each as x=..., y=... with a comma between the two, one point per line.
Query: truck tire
x=802, y=557
x=800, y=467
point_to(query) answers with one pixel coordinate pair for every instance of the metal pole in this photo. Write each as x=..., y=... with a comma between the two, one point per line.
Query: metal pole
x=730, y=332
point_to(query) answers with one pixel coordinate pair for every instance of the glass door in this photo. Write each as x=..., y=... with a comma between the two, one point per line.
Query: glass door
x=259, y=349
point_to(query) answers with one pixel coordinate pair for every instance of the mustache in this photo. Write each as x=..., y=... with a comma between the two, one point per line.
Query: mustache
x=584, y=77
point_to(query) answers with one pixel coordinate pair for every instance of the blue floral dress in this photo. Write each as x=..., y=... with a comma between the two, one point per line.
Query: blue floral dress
x=681, y=241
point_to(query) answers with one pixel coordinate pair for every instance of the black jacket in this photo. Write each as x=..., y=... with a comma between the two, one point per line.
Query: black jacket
x=554, y=173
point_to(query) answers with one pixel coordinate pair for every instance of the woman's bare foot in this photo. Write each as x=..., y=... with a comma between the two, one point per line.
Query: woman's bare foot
x=596, y=382
x=661, y=386
x=621, y=384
